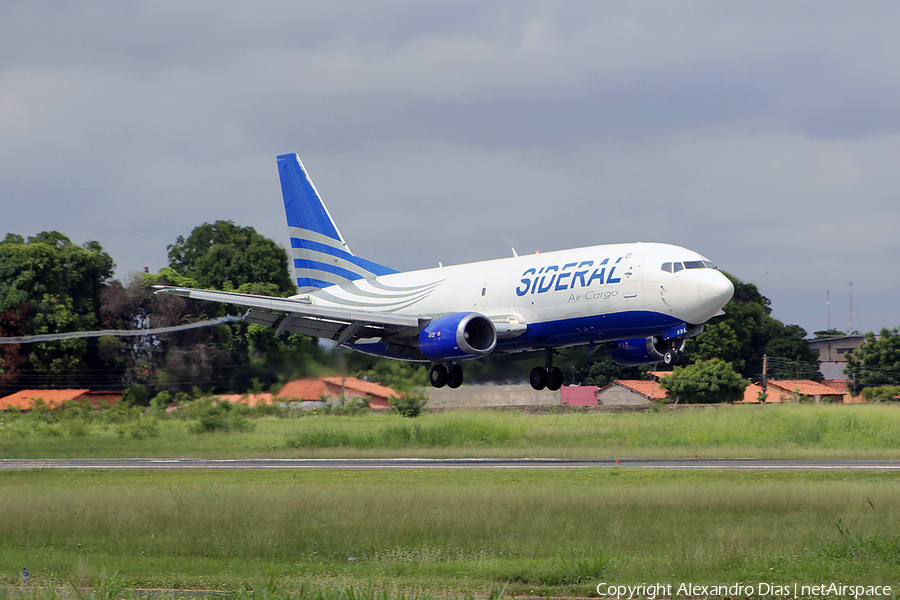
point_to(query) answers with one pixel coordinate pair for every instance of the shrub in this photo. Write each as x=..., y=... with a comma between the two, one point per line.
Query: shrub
x=136, y=395
x=223, y=416
x=704, y=382
x=161, y=401
x=409, y=404
x=139, y=429
x=885, y=393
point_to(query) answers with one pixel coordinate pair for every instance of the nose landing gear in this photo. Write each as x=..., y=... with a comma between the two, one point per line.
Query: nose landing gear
x=673, y=357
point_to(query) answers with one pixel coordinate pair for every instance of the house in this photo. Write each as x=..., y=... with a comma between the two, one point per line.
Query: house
x=317, y=388
x=831, y=354
x=792, y=390
x=630, y=392
x=26, y=399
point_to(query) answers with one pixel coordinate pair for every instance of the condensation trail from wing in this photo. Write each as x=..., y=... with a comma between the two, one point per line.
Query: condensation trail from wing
x=52, y=337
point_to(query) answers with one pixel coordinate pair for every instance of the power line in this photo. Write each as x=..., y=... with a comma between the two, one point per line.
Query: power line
x=52, y=337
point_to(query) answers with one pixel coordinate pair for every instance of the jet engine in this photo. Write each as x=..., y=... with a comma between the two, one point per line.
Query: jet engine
x=646, y=351
x=457, y=337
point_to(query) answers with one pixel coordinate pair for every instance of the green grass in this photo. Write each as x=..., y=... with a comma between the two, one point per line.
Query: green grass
x=113, y=587
x=448, y=532
x=835, y=431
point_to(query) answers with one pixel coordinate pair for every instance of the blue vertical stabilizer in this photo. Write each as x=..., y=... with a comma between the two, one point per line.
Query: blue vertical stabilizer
x=320, y=256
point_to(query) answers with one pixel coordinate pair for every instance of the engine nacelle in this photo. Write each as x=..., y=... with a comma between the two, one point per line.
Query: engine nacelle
x=457, y=337
x=643, y=351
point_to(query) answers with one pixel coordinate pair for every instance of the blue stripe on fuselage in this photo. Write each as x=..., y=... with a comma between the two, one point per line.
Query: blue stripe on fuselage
x=598, y=328
x=569, y=332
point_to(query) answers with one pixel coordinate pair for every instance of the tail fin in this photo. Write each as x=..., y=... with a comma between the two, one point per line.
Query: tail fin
x=320, y=255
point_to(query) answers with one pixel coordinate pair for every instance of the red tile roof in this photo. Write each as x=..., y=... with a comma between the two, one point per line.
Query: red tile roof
x=752, y=392
x=314, y=388
x=649, y=389
x=803, y=386
x=25, y=399
x=310, y=388
x=367, y=387
x=783, y=390
x=248, y=399
x=839, y=384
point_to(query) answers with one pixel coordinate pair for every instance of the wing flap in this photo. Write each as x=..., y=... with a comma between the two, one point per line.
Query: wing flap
x=304, y=310
x=337, y=331
x=341, y=325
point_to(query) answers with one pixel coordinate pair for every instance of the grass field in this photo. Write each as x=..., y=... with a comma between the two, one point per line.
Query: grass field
x=727, y=431
x=448, y=533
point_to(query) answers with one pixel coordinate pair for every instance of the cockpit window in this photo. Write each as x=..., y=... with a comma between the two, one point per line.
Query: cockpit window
x=674, y=267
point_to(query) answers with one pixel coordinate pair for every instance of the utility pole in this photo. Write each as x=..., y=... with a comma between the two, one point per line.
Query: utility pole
x=850, y=291
x=765, y=370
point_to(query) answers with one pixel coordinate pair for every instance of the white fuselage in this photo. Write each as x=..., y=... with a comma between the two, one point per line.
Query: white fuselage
x=585, y=295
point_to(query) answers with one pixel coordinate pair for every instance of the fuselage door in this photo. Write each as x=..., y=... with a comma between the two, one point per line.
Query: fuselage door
x=631, y=284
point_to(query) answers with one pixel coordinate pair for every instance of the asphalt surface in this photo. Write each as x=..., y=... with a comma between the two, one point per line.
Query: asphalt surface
x=732, y=464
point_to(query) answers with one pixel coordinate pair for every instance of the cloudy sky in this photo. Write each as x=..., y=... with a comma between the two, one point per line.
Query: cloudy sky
x=764, y=135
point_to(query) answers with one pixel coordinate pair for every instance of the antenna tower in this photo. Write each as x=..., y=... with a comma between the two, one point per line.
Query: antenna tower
x=850, y=309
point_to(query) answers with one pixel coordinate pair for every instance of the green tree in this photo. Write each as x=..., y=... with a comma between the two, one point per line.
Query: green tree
x=224, y=256
x=50, y=285
x=884, y=393
x=747, y=331
x=235, y=356
x=740, y=337
x=877, y=360
x=704, y=382
x=828, y=334
x=397, y=375
x=790, y=356
x=409, y=404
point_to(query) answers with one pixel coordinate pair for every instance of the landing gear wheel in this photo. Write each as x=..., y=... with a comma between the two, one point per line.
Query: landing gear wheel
x=438, y=376
x=673, y=357
x=538, y=378
x=454, y=376
x=668, y=357
x=554, y=378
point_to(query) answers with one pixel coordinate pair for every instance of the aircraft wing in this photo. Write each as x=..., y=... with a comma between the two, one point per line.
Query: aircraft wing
x=341, y=325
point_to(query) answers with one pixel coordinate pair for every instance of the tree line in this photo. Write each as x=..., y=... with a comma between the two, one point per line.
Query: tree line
x=50, y=285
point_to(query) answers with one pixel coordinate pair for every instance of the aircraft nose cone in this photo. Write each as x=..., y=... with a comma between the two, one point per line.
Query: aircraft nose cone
x=715, y=288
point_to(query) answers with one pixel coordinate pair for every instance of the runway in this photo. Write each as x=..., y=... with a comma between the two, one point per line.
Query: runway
x=724, y=464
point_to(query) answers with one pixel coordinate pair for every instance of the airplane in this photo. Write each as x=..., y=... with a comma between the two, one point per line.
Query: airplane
x=638, y=301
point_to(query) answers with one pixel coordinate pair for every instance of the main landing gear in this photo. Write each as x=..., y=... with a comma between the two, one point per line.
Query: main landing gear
x=450, y=375
x=549, y=377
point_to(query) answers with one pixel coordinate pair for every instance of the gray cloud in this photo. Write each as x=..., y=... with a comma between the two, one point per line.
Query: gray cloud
x=764, y=135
